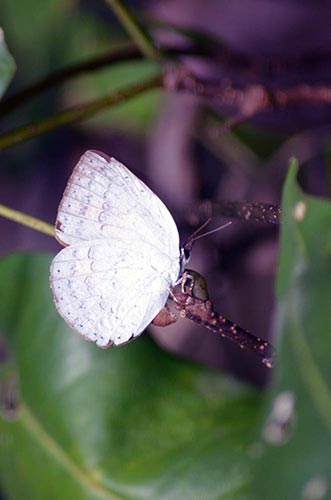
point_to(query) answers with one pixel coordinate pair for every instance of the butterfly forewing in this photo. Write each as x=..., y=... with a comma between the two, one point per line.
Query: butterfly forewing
x=103, y=198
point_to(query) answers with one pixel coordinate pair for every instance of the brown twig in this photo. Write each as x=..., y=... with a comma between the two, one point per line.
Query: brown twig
x=201, y=312
x=257, y=211
x=248, y=100
x=128, y=52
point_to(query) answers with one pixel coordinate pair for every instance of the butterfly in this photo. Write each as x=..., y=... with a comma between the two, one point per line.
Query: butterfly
x=122, y=255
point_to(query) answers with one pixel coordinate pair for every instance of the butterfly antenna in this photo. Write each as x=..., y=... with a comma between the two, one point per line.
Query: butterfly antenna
x=200, y=228
x=186, y=250
x=195, y=238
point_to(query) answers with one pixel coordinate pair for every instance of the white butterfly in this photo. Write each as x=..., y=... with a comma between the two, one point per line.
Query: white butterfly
x=122, y=253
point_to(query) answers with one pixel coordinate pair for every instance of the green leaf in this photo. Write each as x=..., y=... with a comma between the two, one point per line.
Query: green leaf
x=129, y=422
x=136, y=115
x=38, y=30
x=294, y=441
x=7, y=65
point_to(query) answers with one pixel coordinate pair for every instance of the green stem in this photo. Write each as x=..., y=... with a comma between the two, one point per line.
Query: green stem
x=76, y=113
x=27, y=220
x=128, y=52
x=137, y=33
x=118, y=55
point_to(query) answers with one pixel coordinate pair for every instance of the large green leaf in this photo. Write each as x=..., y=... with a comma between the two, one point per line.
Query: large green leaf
x=7, y=65
x=129, y=422
x=295, y=440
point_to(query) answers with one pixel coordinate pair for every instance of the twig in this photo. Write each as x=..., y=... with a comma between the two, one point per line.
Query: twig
x=257, y=211
x=27, y=220
x=76, y=113
x=201, y=311
x=248, y=100
x=128, y=52
x=135, y=30
x=120, y=54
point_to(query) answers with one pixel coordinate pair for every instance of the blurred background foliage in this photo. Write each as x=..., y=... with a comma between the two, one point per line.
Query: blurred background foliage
x=179, y=413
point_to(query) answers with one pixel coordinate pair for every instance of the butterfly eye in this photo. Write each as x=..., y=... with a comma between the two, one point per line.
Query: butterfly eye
x=187, y=254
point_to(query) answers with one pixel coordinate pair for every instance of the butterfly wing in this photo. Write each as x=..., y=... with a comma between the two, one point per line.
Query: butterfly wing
x=123, y=253
x=103, y=199
x=110, y=293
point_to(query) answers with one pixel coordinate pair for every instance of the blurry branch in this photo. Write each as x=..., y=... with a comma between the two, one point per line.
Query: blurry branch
x=128, y=52
x=194, y=304
x=77, y=113
x=248, y=100
x=26, y=220
x=135, y=30
x=120, y=54
x=256, y=211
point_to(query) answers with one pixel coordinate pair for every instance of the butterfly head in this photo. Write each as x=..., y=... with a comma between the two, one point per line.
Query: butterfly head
x=185, y=255
x=185, y=251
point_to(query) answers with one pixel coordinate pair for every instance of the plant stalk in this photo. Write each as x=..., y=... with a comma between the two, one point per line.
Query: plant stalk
x=27, y=220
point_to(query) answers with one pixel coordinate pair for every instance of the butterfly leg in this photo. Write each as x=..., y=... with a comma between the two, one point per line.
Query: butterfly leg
x=194, y=284
x=183, y=282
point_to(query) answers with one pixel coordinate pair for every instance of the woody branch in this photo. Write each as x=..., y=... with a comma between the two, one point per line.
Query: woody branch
x=201, y=311
x=250, y=99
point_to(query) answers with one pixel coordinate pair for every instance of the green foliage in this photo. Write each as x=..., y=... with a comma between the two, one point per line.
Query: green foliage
x=7, y=65
x=128, y=422
x=134, y=422
x=135, y=115
x=61, y=35
x=295, y=452
x=38, y=33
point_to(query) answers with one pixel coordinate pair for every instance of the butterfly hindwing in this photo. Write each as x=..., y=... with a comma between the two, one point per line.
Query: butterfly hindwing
x=110, y=293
